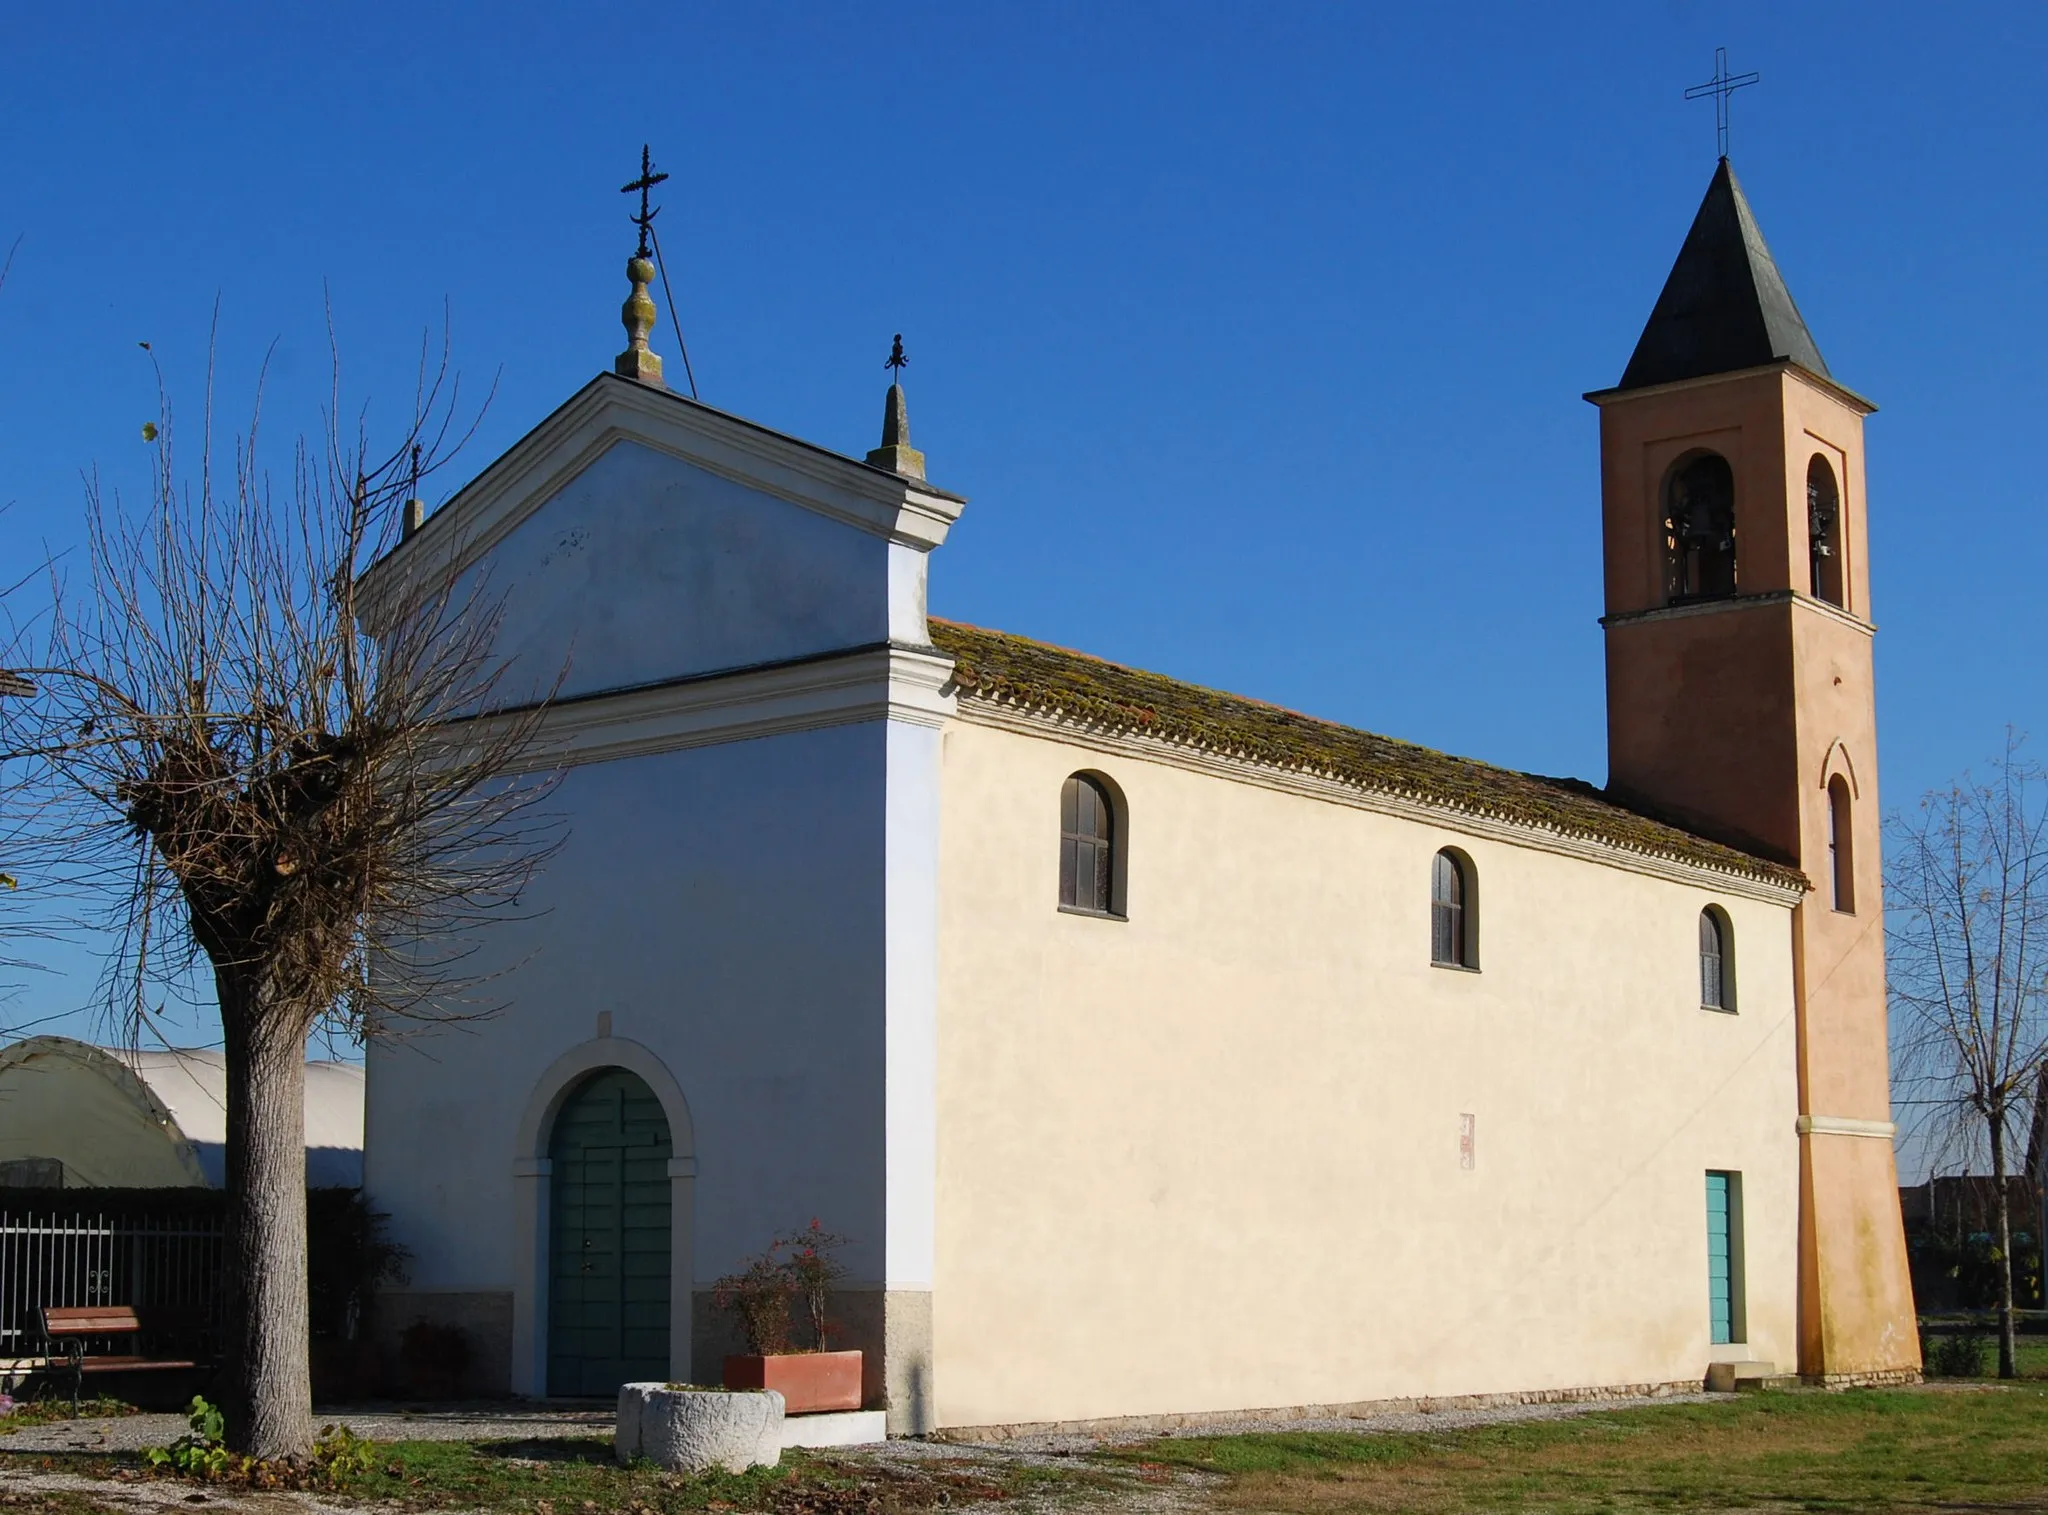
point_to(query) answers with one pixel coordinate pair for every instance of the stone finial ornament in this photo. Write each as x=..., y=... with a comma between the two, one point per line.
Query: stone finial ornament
x=638, y=361
x=896, y=454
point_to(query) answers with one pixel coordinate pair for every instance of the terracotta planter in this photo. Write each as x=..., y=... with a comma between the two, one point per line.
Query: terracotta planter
x=807, y=1381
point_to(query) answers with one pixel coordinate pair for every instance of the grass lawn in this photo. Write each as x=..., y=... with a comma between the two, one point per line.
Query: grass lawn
x=1963, y=1450
x=580, y=1476
x=61, y=1502
x=2030, y=1356
x=1873, y=1451
x=42, y=1412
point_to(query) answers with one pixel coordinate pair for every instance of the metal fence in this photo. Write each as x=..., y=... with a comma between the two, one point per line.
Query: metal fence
x=74, y=1254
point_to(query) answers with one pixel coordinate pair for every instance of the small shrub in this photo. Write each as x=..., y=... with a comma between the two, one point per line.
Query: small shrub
x=1954, y=1354
x=434, y=1358
x=199, y=1453
x=798, y=1265
x=813, y=1267
x=339, y=1457
x=759, y=1294
x=348, y=1258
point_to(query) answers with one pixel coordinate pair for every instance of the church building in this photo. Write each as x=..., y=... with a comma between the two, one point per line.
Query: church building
x=1166, y=1053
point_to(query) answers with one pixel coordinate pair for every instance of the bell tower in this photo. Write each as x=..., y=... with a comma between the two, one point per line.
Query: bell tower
x=1740, y=705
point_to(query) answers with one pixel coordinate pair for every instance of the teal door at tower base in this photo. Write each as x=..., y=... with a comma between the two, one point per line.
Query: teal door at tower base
x=608, y=1249
x=1720, y=1261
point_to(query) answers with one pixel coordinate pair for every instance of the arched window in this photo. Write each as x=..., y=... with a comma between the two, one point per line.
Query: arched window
x=1824, y=530
x=1717, y=960
x=1088, y=846
x=1841, y=846
x=1453, y=912
x=1699, y=530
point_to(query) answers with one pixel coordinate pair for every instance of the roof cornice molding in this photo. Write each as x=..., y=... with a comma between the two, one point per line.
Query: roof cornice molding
x=611, y=409
x=1738, y=602
x=1051, y=725
x=880, y=682
x=1783, y=366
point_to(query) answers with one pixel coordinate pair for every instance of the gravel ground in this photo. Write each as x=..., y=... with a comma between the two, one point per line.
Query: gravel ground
x=500, y=1422
x=493, y=1422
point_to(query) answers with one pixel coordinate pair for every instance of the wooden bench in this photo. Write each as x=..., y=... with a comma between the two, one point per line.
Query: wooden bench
x=66, y=1330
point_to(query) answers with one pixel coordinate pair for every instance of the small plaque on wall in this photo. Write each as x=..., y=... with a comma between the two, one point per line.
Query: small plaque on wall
x=1468, y=1141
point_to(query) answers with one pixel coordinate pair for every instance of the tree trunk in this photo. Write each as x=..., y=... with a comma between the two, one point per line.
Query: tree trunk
x=2007, y=1346
x=268, y=1396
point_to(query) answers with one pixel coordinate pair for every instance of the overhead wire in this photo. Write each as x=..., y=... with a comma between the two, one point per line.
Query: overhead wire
x=661, y=265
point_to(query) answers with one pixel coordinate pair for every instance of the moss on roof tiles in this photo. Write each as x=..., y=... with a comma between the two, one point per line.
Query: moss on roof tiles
x=1005, y=669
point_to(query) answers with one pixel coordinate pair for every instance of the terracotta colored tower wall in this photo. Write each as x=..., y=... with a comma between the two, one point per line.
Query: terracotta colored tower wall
x=1857, y=1318
x=1733, y=716
x=1694, y=729
x=1840, y=953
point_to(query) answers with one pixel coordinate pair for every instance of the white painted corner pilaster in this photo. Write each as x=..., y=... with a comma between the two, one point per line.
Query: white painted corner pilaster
x=911, y=890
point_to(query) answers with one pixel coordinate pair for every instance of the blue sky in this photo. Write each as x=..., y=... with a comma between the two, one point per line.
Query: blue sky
x=1256, y=334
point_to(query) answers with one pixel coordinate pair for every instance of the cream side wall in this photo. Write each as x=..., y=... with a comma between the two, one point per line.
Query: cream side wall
x=1208, y=1158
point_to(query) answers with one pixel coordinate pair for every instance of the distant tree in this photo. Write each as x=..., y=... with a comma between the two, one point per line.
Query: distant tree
x=1967, y=898
x=305, y=790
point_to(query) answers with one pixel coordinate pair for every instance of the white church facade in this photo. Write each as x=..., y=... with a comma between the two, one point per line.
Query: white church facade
x=1163, y=1052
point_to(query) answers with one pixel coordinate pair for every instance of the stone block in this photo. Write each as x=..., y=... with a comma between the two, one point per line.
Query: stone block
x=836, y=1428
x=688, y=1430
x=1727, y=1377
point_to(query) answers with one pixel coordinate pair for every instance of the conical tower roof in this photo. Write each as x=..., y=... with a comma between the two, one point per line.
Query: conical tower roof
x=1725, y=306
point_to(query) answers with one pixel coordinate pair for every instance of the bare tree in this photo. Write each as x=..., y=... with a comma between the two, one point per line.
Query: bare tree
x=307, y=790
x=1967, y=894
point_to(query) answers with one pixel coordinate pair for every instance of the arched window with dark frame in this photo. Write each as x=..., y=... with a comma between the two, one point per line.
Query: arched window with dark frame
x=1088, y=843
x=1824, y=531
x=1841, y=846
x=1453, y=920
x=1717, y=960
x=1699, y=530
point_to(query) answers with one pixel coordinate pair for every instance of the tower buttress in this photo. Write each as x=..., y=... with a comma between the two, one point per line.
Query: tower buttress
x=1740, y=704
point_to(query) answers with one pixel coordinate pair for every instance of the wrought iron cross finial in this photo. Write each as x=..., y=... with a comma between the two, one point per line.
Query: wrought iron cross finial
x=647, y=180
x=1721, y=86
x=896, y=362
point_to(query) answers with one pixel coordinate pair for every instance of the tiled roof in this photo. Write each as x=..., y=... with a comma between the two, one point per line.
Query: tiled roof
x=1000, y=668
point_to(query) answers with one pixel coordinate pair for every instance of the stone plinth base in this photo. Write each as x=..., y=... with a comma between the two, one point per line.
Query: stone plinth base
x=689, y=1430
x=1874, y=1378
x=837, y=1428
x=1727, y=1377
x=1347, y=1410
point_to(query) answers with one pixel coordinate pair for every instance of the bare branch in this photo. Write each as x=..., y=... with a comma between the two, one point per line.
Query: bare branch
x=259, y=780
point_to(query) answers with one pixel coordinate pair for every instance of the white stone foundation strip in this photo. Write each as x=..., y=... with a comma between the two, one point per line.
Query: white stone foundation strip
x=835, y=1428
x=688, y=1430
x=1144, y=1425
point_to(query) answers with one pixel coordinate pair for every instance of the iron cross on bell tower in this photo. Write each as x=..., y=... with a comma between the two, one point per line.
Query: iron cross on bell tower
x=1721, y=86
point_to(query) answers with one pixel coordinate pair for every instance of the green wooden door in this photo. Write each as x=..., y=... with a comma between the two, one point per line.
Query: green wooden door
x=608, y=1252
x=1720, y=1260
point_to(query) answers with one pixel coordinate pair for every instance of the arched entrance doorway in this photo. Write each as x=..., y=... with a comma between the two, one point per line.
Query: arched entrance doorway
x=609, y=1237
